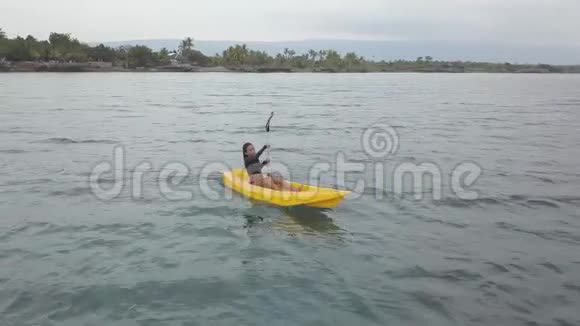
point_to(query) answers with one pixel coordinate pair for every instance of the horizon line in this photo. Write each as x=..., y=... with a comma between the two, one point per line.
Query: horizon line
x=503, y=43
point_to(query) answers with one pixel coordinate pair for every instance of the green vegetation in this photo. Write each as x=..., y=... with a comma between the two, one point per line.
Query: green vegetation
x=62, y=48
x=62, y=52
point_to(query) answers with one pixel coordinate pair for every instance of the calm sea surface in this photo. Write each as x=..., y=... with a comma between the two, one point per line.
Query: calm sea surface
x=509, y=257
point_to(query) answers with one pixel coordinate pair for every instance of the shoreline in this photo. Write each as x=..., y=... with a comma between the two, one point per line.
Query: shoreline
x=63, y=53
x=266, y=70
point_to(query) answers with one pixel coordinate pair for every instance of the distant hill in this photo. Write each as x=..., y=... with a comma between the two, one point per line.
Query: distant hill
x=392, y=50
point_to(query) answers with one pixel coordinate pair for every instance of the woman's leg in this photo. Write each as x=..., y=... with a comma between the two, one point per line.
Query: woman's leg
x=282, y=184
x=263, y=181
x=268, y=182
x=256, y=180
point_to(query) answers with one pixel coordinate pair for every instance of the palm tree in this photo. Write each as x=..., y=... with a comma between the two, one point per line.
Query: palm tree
x=188, y=43
x=236, y=54
x=279, y=58
x=236, y=57
x=322, y=55
x=313, y=54
x=185, y=47
x=351, y=59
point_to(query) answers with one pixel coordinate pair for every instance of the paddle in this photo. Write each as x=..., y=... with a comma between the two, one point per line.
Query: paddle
x=267, y=135
x=268, y=123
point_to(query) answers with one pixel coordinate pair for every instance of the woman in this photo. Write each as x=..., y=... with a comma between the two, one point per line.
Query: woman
x=254, y=168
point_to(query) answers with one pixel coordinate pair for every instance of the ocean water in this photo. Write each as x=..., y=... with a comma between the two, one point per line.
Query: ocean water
x=163, y=243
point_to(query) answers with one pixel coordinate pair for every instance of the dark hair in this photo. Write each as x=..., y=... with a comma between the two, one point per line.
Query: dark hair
x=244, y=148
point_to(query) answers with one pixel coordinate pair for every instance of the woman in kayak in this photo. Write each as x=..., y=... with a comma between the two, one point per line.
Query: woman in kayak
x=254, y=168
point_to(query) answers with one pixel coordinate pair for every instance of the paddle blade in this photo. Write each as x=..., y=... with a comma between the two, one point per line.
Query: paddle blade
x=268, y=123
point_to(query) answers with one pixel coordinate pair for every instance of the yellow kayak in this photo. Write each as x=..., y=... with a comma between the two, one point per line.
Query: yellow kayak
x=239, y=181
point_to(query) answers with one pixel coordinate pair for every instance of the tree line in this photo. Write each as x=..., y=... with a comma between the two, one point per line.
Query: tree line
x=62, y=47
x=240, y=55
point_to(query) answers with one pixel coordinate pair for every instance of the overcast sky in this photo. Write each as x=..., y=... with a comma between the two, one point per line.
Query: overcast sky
x=539, y=22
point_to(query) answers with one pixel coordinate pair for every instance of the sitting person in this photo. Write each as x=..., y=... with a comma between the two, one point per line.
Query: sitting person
x=254, y=168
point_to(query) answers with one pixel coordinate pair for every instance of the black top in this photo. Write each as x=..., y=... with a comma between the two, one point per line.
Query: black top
x=253, y=165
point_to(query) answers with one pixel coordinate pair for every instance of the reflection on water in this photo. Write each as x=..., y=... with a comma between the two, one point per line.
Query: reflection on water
x=252, y=220
x=303, y=219
x=293, y=220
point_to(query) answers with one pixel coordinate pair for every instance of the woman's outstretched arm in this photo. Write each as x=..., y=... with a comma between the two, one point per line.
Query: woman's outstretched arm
x=261, y=151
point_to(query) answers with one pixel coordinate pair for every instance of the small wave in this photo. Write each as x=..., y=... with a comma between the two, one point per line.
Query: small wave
x=518, y=267
x=452, y=275
x=50, y=228
x=164, y=263
x=190, y=106
x=535, y=124
x=544, y=179
x=115, y=106
x=567, y=199
x=27, y=182
x=552, y=267
x=498, y=267
x=128, y=116
x=547, y=163
x=12, y=151
x=21, y=229
x=502, y=137
x=313, y=115
x=60, y=140
x=189, y=141
x=559, y=235
x=491, y=201
x=519, y=308
x=491, y=119
x=565, y=104
x=457, y=202
x=464, y=259
x=16, y=131
x=292, y=150
x=500, y=286
x=214, y=232
x=116, y=227
x=433, y=303
x=73, y=192
x=545, y=203
x=476, y=104
x=96, y=243
x=562, y=322
x=447, y=223
x=8, y=253
x=572, y=287
x=197, y=210
x=135, y=252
